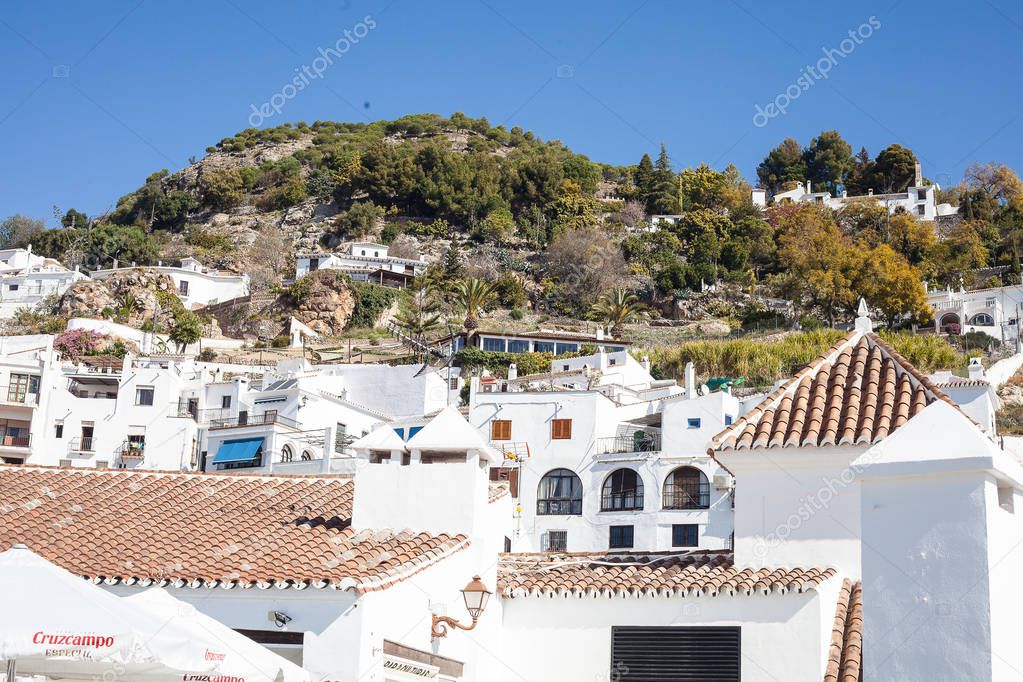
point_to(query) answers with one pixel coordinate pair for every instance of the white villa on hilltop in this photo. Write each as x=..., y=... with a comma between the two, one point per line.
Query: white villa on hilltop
x=918, y=199
x=196, y=285
x=26, y=279
x=363, y=262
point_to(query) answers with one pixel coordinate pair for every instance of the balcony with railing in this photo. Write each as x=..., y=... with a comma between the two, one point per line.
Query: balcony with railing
x=20, y=441
x=132, y=450
x=241, y=420
x=83, y=445
x=637, y=441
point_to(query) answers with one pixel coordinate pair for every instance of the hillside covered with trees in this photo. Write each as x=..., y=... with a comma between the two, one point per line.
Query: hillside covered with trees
x=549, y=229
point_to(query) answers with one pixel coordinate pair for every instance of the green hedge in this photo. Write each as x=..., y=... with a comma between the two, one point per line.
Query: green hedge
x=371, y=301
x=476, y=359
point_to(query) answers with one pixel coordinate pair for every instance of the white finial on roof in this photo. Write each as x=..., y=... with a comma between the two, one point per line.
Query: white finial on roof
x=863, y=321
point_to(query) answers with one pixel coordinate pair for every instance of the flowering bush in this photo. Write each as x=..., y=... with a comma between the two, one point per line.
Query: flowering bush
x=72, y=344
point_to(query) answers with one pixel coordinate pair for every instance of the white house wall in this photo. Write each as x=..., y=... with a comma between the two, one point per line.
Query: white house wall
x=569, y=638
x=796, y=507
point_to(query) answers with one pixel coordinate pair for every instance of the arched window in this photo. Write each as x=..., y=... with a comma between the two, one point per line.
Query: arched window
x=287, y=454
x=686, y=488
x=983, y=319
x=560, y=493
x=622, y=491
x=307, y=456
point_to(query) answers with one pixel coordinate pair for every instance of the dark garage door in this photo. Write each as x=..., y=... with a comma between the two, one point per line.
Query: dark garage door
x=675, y=654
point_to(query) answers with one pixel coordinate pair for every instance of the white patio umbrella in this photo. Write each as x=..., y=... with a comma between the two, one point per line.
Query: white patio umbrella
x=58, y=625
x=242, y=657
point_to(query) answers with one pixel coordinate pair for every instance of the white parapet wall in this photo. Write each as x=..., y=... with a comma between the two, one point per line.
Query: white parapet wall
x=146, y=340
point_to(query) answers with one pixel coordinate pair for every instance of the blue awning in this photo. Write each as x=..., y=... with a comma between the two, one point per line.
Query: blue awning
x=241, y=450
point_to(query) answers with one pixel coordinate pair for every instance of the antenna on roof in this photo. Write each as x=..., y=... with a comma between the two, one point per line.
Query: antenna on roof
x=863, y=321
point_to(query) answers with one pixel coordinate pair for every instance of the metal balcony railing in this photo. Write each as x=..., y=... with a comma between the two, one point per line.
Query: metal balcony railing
x=264, y=419
x=626, y=500
x=132, y=449
x=83, y=444
x=16, y=441
x=688, y=495
x=640, y=441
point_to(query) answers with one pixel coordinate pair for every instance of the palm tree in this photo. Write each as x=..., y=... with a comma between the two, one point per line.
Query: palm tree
x=618, y=308
x=418, y=312
x=474, y=296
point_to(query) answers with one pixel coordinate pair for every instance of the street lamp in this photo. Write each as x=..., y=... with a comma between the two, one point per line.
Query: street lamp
x=475, y=595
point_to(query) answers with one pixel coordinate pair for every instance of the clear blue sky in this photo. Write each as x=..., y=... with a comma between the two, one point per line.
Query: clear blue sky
x=95, y=96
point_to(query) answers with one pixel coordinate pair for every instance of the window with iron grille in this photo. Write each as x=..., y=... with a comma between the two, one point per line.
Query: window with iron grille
x=620, y=537
x=686, y=488
x=554, y=541
x=622, y=491
x=560, y=494
x=685, y=535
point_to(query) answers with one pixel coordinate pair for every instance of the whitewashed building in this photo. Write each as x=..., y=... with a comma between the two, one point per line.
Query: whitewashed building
x=876, y=538
x=363, y=262
x=994, y=311
x=600, y=456
x=919, y=199
x=26, y=279
x=195, y=284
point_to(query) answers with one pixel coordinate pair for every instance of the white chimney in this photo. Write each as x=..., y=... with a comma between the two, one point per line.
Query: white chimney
x=863, y=322
x=690, y=380
x=645, y=362
x=600, y=333
x=809, y=187
x=975, y=369
x=918, y=180
x=870, y=192
x=513, y=371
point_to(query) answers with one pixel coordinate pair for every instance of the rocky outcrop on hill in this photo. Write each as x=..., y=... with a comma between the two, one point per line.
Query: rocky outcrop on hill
x=323, y=300
x=134, y=296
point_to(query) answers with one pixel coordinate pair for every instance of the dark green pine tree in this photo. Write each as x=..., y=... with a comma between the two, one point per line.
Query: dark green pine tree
x=644, y=179
x=664, y=197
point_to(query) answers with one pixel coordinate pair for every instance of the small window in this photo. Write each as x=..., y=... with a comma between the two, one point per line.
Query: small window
x=453, y=384
x=611, y=362
x=13, y=287
x=65, y=463
x=693, y=422
x=561, y=429
x=58, y=430
x=728, y=420
x=225, y=402
x=287, y=454
x=500, y=429
x=922, y=209
x=507, y=544
x=685, y=535
x=554, y=541
x=144, y=395
x=183, y=287
x=102, y=464
x=621, y=537
x=564, y=368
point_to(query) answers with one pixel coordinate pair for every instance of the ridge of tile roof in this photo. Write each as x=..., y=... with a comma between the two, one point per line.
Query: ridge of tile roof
x=664, y=574
x=207, y=530
x=497, y=490
x=845, y=656
x=856, y=393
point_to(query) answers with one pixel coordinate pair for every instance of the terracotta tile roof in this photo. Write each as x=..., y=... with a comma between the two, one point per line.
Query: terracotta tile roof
x=207, y=529
x=961, y=382
x=858, y=392
x=667, y=574
x=846, y=654
x=104, y=361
